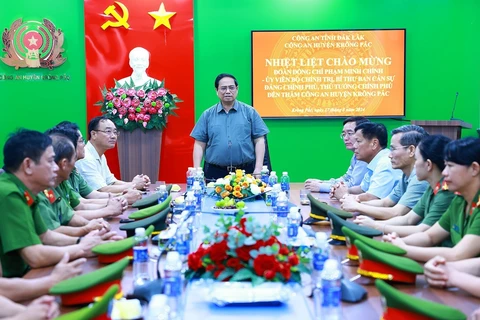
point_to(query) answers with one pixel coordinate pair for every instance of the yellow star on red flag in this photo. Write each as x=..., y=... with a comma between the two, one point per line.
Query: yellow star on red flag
x=162, y=17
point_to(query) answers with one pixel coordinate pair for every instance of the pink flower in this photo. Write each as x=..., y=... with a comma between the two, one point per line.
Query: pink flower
x=120, y=91
x=125, y=120
x=144, y=124
x=131, y=116
x=152, y=110
x=109, y=96
x=143, y=110
x=114, y=111
x=147, y=103
x=159, y=103
x=120, y=116
x=160, y=111
x=140, y=116
x=131, y=92
x=127, y=102
x=135, y=102
x=117, y=102
x=161, y=92
x=152, y=95
x=131, y=110
x=141, y=93
x=146, y=118
x=122, y=110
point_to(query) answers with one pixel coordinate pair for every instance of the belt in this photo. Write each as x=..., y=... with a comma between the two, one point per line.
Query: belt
x=232, y=167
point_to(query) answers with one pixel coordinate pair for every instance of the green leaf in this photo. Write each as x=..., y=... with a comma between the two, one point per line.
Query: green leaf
x=207, y=275
x=304, y=269
x=256, y=280
x=295, y=276
x=242, y=274
x=225, y=274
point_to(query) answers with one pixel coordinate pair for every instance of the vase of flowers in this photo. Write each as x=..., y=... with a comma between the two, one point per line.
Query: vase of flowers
x=238, y=185
x=241, y=249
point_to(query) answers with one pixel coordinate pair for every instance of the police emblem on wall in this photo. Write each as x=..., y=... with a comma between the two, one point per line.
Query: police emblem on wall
x=33, y=44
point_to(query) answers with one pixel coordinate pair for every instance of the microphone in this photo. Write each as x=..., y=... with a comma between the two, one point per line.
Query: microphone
x=454, y=105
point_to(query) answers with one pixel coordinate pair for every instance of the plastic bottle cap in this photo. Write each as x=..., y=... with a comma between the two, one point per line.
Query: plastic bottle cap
x=162, y=187
x=285, y=173
x=293, y=209
x=273, y=173
x=173, y=256
x=196, y=183
x=200, y=169
x=140, y=232
x=264, y=168
x=330, y=265
x=158, y=300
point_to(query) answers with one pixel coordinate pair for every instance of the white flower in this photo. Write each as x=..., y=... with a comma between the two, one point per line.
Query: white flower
x=255, y=189
x=221, y=181
x=249, y=180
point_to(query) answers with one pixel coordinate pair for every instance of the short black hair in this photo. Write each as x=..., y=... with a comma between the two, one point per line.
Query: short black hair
x=357, y=119
x=432, y=148
x=69, y=133
x=412, y=134
x=371, y=130
x=69, y=125
x=224, y=75
x=464, y=151
x=63, y=147
x=24, y=144
x=93, y=124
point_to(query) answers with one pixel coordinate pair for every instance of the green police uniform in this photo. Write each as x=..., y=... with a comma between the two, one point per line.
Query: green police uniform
x=21, y=224
x=457, y=222
x=54, y=209
x=65, y=190
x=433, y=204
x=79, y=185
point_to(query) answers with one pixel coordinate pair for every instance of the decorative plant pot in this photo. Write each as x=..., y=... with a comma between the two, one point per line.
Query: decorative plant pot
x=139, y=152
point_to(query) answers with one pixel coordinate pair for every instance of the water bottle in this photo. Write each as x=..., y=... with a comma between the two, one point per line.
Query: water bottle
x=197, y=192
x=141, y=272
x=182, y=240
x=272, y=180
x=331, y=290
x=191, y=206
x=264, y=175
x=274, y=195
x=294, y=219
x=173, y=285
x=285, y=183
x=190, y=177
x=162, y=193
x=158, y=307
x=201, y=179
x=321, y=252
x=282, y=210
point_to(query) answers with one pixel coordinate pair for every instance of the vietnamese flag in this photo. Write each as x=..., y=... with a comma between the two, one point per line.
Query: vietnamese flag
x=171, y=58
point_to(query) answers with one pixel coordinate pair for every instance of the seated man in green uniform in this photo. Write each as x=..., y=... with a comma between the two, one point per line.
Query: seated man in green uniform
x=78, y=183
x=429, y=165
x=25, y=241
x=90, y=209
x=461, y=221
x=408, y=190
x=54, y=208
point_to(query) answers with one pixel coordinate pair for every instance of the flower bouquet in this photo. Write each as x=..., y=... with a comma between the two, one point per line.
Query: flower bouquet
x=240, y=249
x=238, y=185
x=145, y=107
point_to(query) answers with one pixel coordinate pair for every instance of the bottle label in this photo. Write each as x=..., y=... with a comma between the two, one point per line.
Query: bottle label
x=173, y=286
x=282, y=211
x=285, y=186
x=318, y=261
x=162, y=197
x=183, y=247
x=292, y=230
x=268, y=200
x=190, y=181
x=264, y=178
x=274, y=200
x=331, y=293
x=198, y=196
x=140, y=254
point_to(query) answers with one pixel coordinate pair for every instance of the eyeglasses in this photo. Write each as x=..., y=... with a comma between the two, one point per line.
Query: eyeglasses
x=392, y=149
x=347, y=133
x=81, y=140
x=109, y=132
x=224, y=89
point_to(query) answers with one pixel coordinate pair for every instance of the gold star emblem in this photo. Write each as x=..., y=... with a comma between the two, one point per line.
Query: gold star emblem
x=162, y=17
x=33, y=41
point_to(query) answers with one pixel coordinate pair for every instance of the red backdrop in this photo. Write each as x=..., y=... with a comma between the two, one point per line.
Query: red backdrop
x=171, y=58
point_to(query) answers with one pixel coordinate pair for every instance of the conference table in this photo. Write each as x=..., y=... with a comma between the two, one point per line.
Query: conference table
x=370, y=308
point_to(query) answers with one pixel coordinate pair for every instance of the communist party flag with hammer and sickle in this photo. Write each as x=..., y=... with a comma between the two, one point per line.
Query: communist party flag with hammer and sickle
x=165, y=29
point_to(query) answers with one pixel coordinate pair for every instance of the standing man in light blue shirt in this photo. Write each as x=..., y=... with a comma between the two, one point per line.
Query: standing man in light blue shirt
x=409, y=190
x=380, y=179
x=230, y=135
x=356, y=170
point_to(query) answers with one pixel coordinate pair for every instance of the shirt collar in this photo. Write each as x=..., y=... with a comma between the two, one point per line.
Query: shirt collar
x=30, y=197
x=371, y=166
x=91, y=149
x=219, y=107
